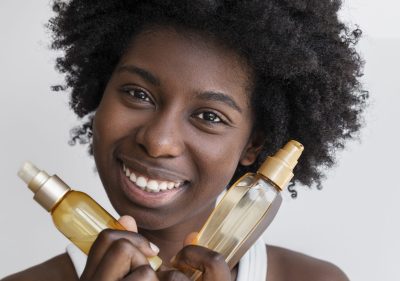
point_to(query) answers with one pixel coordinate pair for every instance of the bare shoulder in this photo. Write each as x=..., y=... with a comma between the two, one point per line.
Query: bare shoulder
x=55, y=269
x=285, y=265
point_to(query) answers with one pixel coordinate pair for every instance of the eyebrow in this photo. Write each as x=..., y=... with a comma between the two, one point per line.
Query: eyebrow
x=217, y=96
x=146, y=75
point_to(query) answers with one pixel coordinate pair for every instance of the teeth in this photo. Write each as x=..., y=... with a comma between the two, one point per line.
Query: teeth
x=132, y=177
x=149, y=184
x=153, y=186
x=141, y=182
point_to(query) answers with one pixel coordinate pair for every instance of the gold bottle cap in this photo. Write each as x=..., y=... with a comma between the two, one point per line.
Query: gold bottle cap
x=279, y=168
x=48, y=190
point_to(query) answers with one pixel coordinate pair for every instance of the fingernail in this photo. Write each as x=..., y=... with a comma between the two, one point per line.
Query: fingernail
x=172, y=260
x=154, y=247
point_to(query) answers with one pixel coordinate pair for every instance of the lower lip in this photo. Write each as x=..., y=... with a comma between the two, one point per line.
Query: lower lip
x=148, y=199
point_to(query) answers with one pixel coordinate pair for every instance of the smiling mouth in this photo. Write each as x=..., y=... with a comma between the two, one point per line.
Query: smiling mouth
x=148, y=184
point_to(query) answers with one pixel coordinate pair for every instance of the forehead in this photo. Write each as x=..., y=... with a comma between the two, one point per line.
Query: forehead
x=189, y=59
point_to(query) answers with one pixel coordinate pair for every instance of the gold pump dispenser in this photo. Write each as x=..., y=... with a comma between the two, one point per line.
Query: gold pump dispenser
x=248, y=207
x=74, y=213
x=279, y=168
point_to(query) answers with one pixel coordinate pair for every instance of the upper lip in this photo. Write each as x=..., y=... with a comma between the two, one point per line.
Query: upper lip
x=153, y=171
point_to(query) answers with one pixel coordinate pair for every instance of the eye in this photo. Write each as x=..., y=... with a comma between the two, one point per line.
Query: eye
x=138, y=94
x=210, y=117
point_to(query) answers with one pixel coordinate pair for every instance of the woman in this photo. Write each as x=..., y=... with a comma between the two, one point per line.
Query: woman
x=184, y=97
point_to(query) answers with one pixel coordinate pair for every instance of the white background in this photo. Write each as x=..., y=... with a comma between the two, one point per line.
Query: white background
x=353, y=222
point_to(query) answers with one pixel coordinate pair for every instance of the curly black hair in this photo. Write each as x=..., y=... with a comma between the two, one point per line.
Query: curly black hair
x=304, y=62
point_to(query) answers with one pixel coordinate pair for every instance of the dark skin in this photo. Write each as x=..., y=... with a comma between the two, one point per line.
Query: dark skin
x=175, y=109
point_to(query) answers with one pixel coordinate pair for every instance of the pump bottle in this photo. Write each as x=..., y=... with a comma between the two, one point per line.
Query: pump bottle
x=74, y=213
x=248, y=207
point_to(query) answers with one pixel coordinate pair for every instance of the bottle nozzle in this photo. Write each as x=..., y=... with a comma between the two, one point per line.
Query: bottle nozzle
x=290, y=153
x=27, y=172
x=32, y=176
x=279, y=168
x=48, y=190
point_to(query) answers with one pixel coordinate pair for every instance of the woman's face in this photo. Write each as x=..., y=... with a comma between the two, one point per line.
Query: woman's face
x=176, y=113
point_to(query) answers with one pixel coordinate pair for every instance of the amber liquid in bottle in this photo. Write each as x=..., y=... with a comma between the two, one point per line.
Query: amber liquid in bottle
x=248, y=207
x=81, y=219
x=74, y=213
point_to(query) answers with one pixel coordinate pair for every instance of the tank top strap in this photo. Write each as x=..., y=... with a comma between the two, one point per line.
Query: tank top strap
x=253, y=265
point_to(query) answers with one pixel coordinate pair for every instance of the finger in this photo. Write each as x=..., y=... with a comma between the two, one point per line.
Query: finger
x=121, y=258
x=107, y=237
x=105, y=240
x=142, y=273
x=190, y=239
x=211, y=263
x=129, y=223
x=174, y=275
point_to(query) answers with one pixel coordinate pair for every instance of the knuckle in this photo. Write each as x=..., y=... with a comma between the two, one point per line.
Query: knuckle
x=145, y=271
x=215, y=258
x=176, y=275
x=122, y=246
x=106, y=235
x=184, y=254
x=207, y=257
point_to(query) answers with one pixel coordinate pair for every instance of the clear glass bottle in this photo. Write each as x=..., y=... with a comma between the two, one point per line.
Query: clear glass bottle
x=248, y=207
x=74, y=213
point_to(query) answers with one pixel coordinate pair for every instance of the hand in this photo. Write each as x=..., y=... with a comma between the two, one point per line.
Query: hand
x=120, y=255
x=210, y=263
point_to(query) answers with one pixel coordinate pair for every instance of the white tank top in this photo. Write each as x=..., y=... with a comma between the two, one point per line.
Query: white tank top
x=252, y=266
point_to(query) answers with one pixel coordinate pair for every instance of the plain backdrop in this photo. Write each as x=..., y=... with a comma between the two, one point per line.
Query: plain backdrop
x=353, y=222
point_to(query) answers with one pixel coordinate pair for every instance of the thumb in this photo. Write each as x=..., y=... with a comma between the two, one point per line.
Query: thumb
x=129, y=223
x=191, y=239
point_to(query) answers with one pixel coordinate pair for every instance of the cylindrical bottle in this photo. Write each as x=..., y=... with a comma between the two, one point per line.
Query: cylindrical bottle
x=74, y=213
x=248, y=207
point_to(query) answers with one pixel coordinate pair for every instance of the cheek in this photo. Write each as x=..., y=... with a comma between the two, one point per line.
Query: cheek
x=103, y=132
x=109, y=125
x=219, y=159
x=111, y=122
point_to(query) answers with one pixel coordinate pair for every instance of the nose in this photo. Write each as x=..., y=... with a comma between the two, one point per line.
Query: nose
x=161, y=137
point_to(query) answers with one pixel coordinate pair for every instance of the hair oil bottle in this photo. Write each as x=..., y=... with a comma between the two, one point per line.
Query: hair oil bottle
x=74, y=213
x=248, y=207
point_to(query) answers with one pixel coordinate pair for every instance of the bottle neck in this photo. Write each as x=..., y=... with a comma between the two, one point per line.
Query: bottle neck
x=269, y=181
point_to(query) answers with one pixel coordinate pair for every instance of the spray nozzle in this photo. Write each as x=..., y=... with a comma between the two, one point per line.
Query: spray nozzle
x=28, y=171
x=48, y=190
x=279, y=168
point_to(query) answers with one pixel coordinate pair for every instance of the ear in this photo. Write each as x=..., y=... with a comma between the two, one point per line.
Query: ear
x=252, y=149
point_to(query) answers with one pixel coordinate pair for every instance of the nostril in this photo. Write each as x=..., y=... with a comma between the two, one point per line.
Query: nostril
x=143, y=147
x=151, y=150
